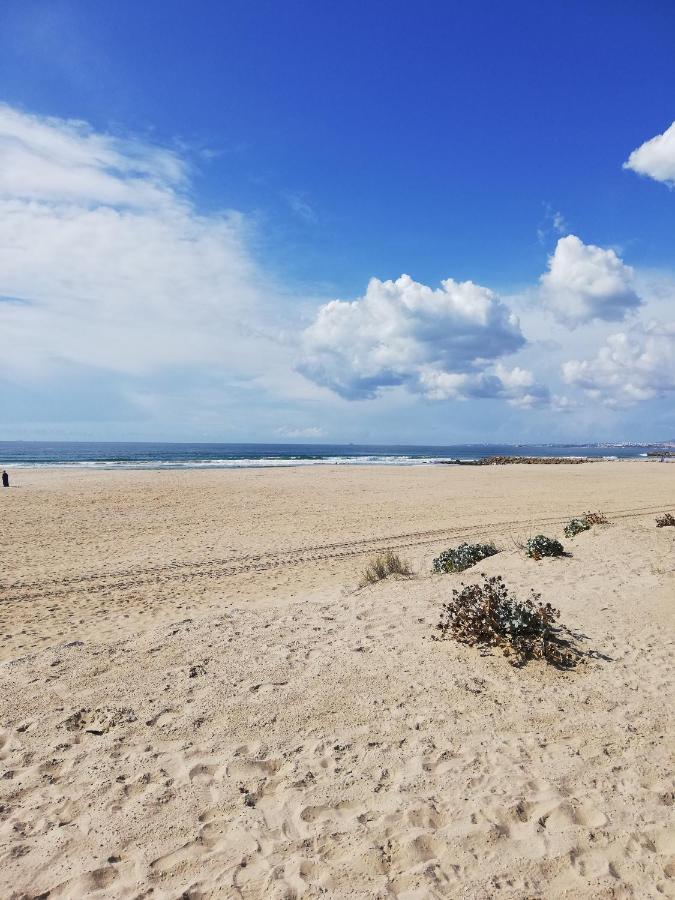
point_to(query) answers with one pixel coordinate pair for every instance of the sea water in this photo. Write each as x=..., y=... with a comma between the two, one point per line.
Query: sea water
x=155, y=455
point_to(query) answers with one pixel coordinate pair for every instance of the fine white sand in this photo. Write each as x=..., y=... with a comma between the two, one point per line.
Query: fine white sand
x=198, y=702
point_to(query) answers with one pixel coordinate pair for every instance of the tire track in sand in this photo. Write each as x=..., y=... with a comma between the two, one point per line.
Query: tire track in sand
x=129, y=579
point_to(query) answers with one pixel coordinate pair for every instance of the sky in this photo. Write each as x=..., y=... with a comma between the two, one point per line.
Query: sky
x=388, y=222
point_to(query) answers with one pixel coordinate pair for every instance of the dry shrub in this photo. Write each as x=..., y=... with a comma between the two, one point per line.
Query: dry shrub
x=665, y=520
x=487, y=615
x=384, y=565
x=595, y=518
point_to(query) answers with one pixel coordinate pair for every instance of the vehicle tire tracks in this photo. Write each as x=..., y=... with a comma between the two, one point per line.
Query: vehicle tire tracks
x=130, y=579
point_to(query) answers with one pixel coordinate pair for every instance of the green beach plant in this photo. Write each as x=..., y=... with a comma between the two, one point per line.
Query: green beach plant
x=576, y=526
x=464, y=556
x=488, y=615
x=584, y=523
x=539, y=546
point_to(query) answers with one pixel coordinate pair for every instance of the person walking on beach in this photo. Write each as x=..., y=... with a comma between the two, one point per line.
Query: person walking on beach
x=5, y=479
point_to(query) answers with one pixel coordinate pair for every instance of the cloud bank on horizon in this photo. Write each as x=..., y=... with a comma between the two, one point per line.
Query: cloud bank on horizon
x=108, y=266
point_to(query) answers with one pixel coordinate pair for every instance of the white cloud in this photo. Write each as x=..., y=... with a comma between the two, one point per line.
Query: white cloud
x=440, y=343
x=553, y=223
x=559, y=224
x=109, y=265
x=111, y=278
x=517, y=386
x=108, y=271
x=632, y=366
x=656, y=157
x=312, y=431
x=66, y=161
x=300, y=206
x=561, y=403
x=585, y=282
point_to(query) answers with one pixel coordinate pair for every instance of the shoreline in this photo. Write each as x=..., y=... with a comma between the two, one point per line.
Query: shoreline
x=346, y=463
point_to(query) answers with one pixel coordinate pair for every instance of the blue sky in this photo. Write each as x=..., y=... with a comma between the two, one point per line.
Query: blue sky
x=301, y=149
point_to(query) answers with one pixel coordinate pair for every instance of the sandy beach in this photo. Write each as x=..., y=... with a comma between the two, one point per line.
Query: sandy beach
x=198, y=700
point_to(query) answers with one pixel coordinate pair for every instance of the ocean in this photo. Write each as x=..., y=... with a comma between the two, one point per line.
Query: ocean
x=146, y=455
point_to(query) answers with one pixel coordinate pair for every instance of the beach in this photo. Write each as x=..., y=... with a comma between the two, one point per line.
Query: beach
x=198, y=699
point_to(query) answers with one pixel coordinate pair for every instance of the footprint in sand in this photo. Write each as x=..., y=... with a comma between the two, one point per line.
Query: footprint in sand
x=241, y=769
x=5, y=738
x=98, y=721
x=186, y=854
x=568, y=814
x=425, y=817
x=202, y=772
x=163, y=718
x=83, y=885
x=346, y=810
x=66, y=812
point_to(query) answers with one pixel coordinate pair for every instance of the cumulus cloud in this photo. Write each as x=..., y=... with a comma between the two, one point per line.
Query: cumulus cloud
x=632, y=366
x=107, y=264
x=517, y=386
x=440, y=343
x=656, y=157
x=585, y=282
